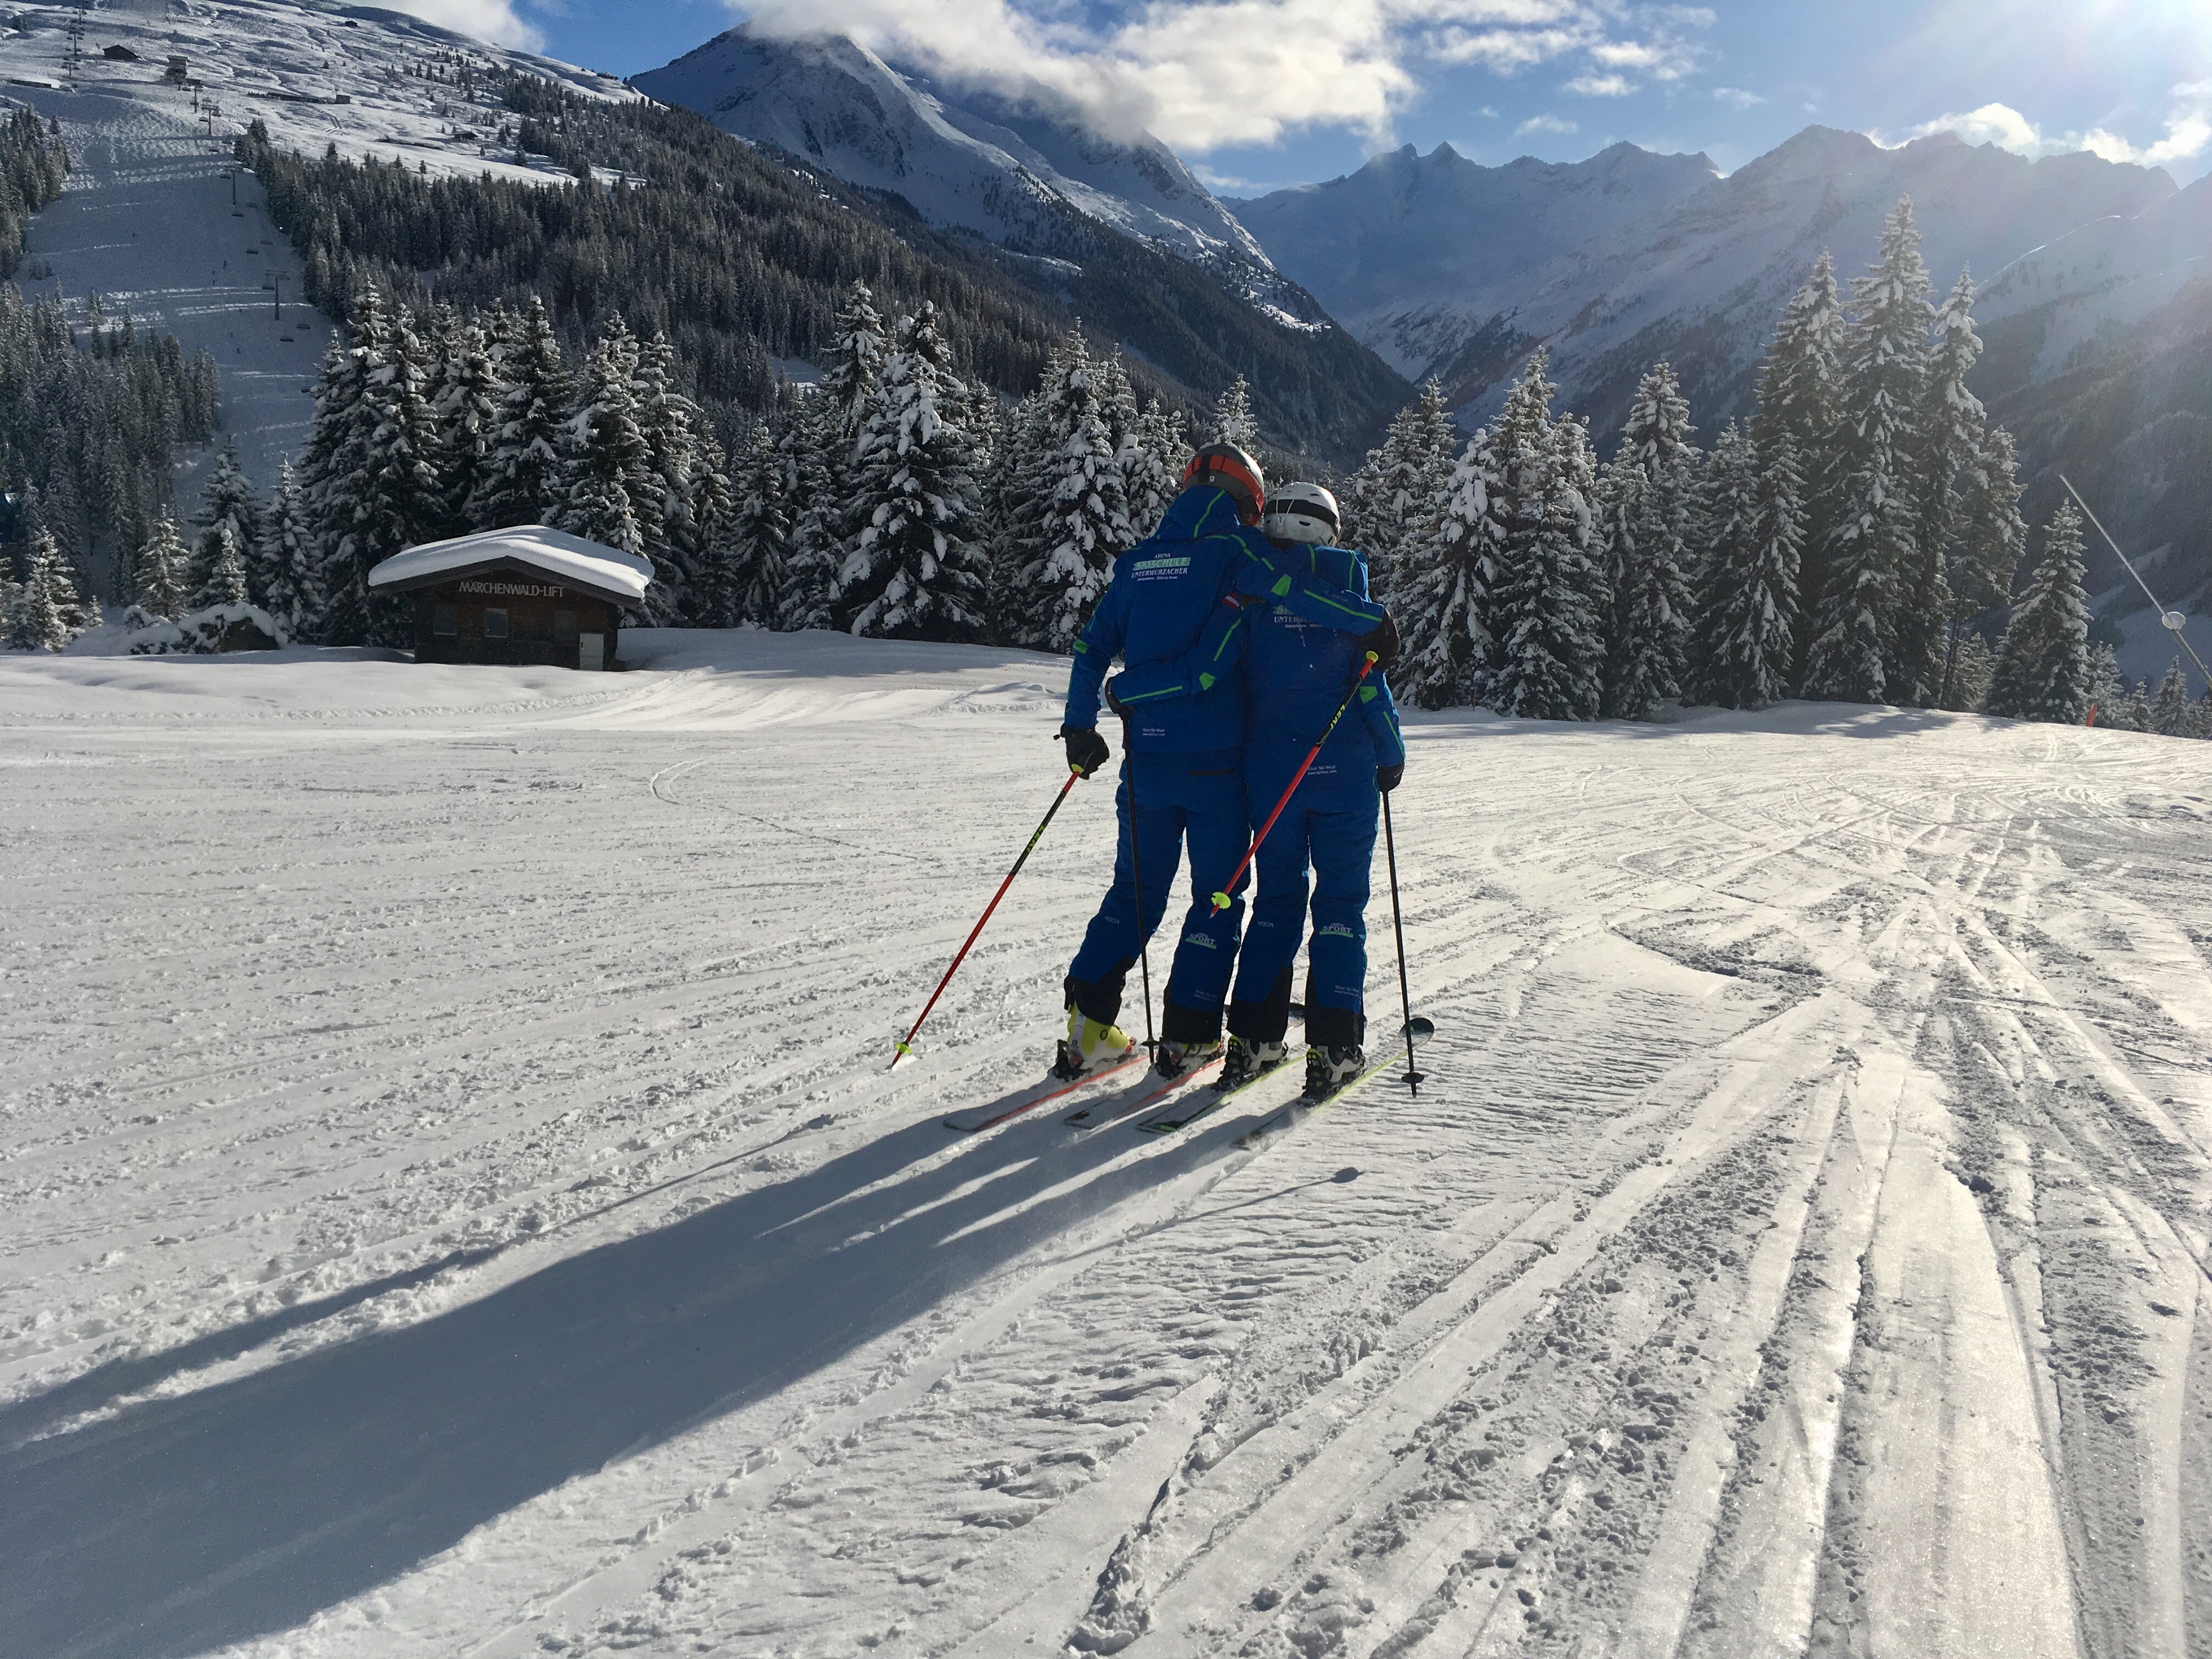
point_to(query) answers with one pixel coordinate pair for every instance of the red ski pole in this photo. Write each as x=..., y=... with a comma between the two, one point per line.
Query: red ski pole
x=1221, y=898
x=906, y=1047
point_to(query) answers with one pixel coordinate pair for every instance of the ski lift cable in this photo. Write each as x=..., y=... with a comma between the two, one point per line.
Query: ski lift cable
x=2174, y=620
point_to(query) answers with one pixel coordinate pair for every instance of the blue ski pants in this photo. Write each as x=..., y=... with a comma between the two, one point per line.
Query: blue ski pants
x=1194, y=798
x=1329, y=825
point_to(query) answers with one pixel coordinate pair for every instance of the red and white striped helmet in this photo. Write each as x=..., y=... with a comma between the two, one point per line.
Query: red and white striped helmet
x=1227, y=468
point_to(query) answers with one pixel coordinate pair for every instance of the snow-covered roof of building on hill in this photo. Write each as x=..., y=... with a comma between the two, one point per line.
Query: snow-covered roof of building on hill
x=593, y=566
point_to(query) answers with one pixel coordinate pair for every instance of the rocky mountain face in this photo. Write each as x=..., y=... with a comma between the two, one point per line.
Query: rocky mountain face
x=979, y=160
x=2095, y=293
x=1397, y=249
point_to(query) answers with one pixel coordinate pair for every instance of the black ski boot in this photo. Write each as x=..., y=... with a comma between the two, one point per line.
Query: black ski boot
x=1247, y=1060
x=1328, y=1069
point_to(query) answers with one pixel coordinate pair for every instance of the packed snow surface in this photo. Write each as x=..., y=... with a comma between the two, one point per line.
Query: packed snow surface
x=454, y=1201
x=556, y=552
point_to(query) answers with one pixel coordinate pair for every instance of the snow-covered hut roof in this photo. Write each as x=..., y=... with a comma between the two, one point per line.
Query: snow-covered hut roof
x=592, y=566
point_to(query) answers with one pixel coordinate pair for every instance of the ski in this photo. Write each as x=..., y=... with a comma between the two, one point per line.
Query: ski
x=1052, y=1089
x=1300, y=1111
x=1106, y=1112
x=1207, y=1105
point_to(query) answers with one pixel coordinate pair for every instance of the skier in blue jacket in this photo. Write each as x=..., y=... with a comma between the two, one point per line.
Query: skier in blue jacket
x=1185, y=736
x=1295, y=677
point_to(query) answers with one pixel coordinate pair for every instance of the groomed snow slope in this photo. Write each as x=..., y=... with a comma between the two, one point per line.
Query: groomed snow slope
x=454, y=1203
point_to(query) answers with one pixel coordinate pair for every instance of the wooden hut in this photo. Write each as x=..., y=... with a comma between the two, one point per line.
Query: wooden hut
x=525, y=594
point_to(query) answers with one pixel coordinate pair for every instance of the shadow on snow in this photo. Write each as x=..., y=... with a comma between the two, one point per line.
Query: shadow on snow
x=248, y=1506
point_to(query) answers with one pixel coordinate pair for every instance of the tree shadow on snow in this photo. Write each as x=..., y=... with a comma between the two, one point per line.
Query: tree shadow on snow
x=247, y=1507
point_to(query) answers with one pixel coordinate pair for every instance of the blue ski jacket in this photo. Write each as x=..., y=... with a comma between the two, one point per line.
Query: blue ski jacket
x=1294, y=673
x=1165, y=592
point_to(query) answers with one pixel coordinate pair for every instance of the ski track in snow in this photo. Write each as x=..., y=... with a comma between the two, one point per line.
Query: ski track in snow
x=454, y=1203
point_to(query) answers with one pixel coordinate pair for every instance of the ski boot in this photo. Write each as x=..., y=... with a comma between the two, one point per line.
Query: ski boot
x=1247, y=1060
x=1174, y=1059
x=1328, y=1069
x=1090, y=1045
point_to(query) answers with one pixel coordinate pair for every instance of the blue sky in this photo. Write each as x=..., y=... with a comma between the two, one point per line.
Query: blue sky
x=1322, y=84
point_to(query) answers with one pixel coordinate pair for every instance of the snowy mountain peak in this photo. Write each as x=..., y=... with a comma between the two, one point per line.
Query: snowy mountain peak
x=1002, y=165
x=1409, y=231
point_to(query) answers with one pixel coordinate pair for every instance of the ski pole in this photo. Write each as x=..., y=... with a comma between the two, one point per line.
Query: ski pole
x=1398, y=926
x=1221, y=898
x=1137, y=887
x=906, y=1047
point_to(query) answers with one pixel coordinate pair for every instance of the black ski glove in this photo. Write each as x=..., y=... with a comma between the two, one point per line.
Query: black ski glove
x=1086, y=749
x=1382, y=641
x=1120, y=708
x=1387, y=778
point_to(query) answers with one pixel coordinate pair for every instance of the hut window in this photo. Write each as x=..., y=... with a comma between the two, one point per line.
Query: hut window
x=564, y=626
x=494, y=624
x=445, y=621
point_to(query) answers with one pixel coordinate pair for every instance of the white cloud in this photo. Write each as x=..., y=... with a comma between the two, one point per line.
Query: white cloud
x=1545, y=124
x=1209, y=74
x=1601, y=86
x=2188, y=131
x=488, y=19
x=1737, y=98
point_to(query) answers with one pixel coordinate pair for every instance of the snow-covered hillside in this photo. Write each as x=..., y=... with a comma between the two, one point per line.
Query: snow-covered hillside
x=148, y=219
x=453, y=1202
x=964, y=157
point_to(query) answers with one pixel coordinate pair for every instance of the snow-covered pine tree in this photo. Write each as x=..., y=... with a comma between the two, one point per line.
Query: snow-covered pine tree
x=913, y=573
x=286, y=558
x=1972, y=665
x=1067, y=543
x=1545, y=610
x=465, y=390
x=2108, y=691
x=1747, y=611
x=229, y=499
x=1151, y=454
x=1950, y=432
x=855, y=363
x=605, y=466
x=754, y=547
x=40, y=609
x=2043, y=667
x=666, y=419
x=1014, y=496
x=1232, y=416
x=1646, y=554
x=371, y=490
x=2169, y=710
x=223, y=580
x=161, y=595
x=1393, y=498
x=1444, y=584
x=1874, y=538
x=2200, y=717
x=2138, y=707
x=523, y=483
x=1800, y=392
x=805, y=444
x=47, y=602
x=1991, y=538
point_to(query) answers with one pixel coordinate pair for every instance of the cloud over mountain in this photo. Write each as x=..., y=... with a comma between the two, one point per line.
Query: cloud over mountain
x=1299, y=64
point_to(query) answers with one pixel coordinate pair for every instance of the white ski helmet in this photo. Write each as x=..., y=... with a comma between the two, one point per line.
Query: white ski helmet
x=1302, y=512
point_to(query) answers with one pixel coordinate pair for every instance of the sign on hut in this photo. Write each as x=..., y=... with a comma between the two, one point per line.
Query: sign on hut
x=525, y=594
